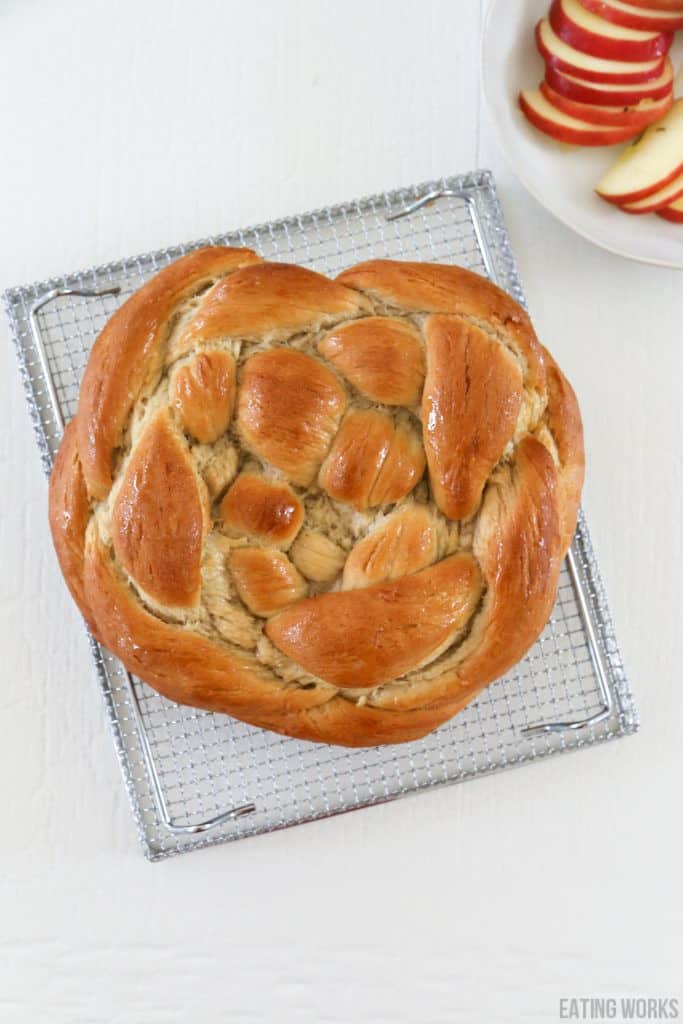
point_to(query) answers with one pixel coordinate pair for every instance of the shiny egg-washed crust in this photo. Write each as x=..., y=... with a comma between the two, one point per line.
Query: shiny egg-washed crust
x=332, y=509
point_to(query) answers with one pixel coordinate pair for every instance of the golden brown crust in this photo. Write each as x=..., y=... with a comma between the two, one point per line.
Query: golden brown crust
x=518, y=546
x=183, y=665
x=403, y=544
x=564, y=421
x=435, y=288
x=372, y=461
x=381, y=356
x=402, y=467
x=266, y=580
x=288, y=411
x=363, y=638
x=269, y=298
x=470, y=405
x=361, y=725
x=154, y=493
x=190, y=669
x=158, y=519
x=350, y=470
x=69, y=516
x=128, y=355
x=203, y=393
x=259, y=508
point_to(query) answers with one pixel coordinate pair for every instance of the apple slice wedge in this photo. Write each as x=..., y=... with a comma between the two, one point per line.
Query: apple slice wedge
x=563, y=128
x=649, y=163
x=657, y=200
x=636, y=117
x=590, y=33
x=635, y=17
x=610, y=95
x=595, y=69
x=674, y=212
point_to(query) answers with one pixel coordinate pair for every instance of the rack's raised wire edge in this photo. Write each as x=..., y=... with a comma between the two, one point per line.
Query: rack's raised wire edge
x=504, y=265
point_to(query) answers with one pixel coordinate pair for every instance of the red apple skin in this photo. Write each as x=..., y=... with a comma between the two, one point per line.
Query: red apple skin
x=596, y=136
x=670, y=214
x=615, y=117
x=654, y=206
x=595, y=76
x=657, y=5
x=631, y=197
x=587, y=92
x=648, y=21
x=603, y=46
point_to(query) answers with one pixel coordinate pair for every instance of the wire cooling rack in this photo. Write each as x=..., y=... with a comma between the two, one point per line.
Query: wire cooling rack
x=195, y=778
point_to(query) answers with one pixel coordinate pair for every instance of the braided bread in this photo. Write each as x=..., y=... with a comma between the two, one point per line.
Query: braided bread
x=333, y=509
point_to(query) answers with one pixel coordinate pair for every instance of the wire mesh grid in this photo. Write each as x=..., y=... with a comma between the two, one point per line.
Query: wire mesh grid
x=205, y=763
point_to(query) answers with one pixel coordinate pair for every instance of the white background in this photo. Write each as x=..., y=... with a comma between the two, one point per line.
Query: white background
x=129, y=125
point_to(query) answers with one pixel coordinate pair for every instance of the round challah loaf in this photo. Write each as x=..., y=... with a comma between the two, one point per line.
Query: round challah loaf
x=334, y=509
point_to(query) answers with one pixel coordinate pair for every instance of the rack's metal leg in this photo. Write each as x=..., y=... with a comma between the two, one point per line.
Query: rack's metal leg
x=465, y=197
x=159, y=799
x=428, y=197
x=37, y=337
x=598, y=665
x=147, y=755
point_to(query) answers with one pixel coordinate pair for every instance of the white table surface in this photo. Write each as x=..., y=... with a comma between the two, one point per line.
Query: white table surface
x=130, y=125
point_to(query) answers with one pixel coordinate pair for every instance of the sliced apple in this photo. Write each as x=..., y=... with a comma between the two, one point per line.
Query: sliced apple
x=563, y=128
x=591, y=34
x=595, y=69
x=610, y=95
x=650, y=163
x=674, y=212
x=636, y=117
x=636, y=17
x=658, y=5
x=662, y=197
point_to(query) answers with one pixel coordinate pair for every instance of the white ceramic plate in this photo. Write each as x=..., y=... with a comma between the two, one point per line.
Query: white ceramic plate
x=562, y=178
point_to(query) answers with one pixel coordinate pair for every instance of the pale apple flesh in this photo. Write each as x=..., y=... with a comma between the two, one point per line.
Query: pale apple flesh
x=609, y=94
x=636, y=117
x=563, y=128
x=674, y=212
x=650, y=163
x=662, y=197
x=595, y=69
x=591, y=34
x=627, y=14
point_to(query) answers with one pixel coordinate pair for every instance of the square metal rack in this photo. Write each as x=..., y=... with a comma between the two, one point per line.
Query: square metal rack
x=196, y=778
